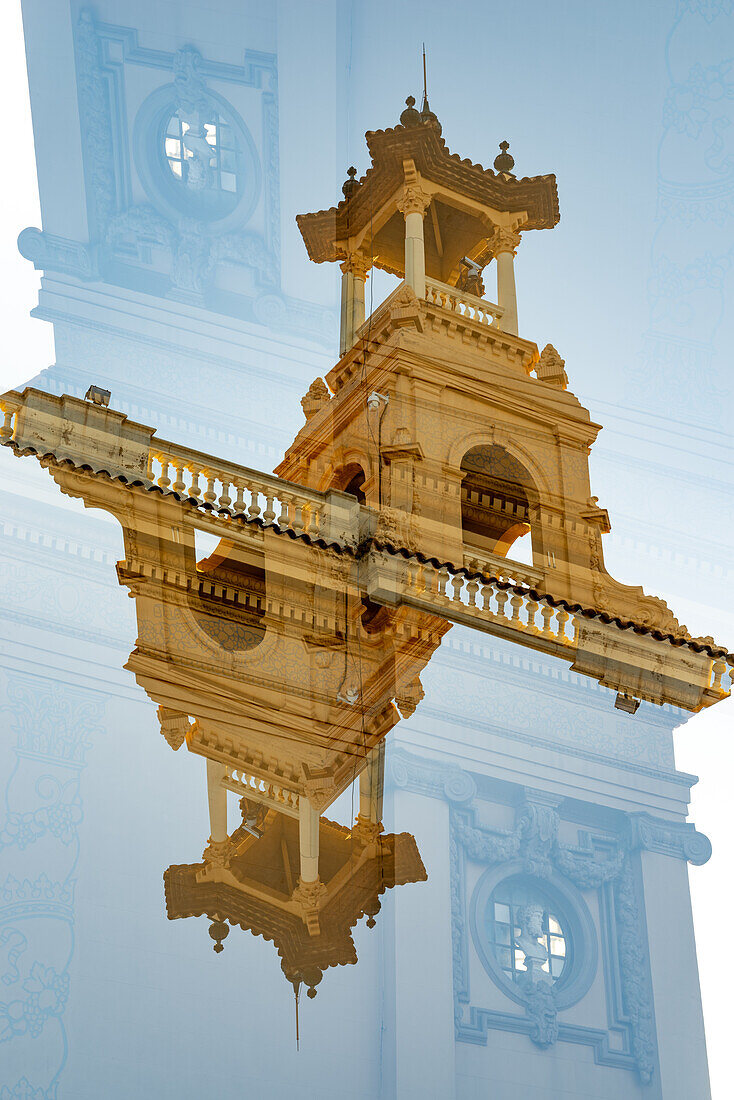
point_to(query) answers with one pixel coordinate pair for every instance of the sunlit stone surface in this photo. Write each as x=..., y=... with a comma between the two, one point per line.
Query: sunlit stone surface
x=369, y=789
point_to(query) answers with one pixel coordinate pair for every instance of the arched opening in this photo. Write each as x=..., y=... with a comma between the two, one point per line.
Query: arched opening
x=230, y=603
x=497, y=499
x=350, y=479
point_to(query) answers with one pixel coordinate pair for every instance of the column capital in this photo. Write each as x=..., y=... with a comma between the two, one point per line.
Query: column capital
x=413, y=200
x=503, y=239
x=355, y=264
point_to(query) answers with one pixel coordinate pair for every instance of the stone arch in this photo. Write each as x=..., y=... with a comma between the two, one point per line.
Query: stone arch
x=536, y=472
x=499, y=501
x=350, y=478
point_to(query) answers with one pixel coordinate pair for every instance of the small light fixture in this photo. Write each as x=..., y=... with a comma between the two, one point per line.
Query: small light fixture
x=376, y=399
x=627, y=703
x=250, y=827
x=98, y=396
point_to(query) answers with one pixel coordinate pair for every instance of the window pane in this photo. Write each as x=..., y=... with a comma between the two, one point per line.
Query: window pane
x=504, y=958
x=519, y=959
x=229, y=160
x=502, y=933
x=554, y=925
x=557, y=967
x=229, y=181
x=173, y=147
x=501, y=912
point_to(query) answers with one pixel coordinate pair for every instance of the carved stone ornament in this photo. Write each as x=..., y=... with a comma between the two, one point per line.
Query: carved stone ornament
x=398, y=528
x=540, y=1006
x=356, y=265
x=193, y=108
x=414, y=200
x=550, y=368
x=174, y=726
x=318, y=395
x=217, y=853
x=409, y=697
x=504, y=239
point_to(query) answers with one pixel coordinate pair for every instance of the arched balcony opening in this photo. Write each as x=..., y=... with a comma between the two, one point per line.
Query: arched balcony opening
x=230, y=603
x=498, y=500
x=350, y=479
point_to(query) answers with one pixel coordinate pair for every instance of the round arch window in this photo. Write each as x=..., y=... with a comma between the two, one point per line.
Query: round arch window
x=525, y=927
x=526, y=931
x=200, y=164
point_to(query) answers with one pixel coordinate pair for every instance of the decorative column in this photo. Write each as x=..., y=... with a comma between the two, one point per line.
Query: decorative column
x=308, y=840
x=413, y=204
x=215, y=773
x=371, y=784
x=504, y=243
x=354, y=273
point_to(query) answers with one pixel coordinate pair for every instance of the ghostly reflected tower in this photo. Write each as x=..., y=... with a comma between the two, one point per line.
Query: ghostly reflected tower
x=551, y=949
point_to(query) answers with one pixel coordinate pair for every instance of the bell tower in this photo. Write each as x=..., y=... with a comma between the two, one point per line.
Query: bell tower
x=462, y=436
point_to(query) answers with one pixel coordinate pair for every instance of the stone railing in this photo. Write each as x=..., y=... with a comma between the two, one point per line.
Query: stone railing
x=505, y=569
x=458, y=301
x=263, y=791
x=104, y=440
x=501, y=602
x=237, y=490
x=461, y=596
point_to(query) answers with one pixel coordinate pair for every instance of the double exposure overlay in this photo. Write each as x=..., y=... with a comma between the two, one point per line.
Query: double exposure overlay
x=339, y=754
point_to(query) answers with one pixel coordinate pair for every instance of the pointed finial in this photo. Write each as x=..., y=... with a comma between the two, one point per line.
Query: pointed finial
x=350, y=185
x=410, y=117
x=505, y=162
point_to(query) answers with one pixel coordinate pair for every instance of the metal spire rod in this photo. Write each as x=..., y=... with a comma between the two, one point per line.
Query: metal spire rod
x=425, y=82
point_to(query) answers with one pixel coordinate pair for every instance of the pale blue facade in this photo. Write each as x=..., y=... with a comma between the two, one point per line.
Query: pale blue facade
x=207, y=322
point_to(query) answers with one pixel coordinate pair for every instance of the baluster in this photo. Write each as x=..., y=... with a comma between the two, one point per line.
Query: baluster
x=516, y=602
x=719, y=667
x=546, y=614
x=502, y=597
x=269, y=513
x=487, y=593
x=240, y=505
x=254, y=510
x=298, y=514
x=149, y=470
x=457, y=583
x=443, y=580
x=224, y=498
x=209, y=496
x=284, y=519
x=164, y=480
x=179, y=484
x=430, y=574
x=412, y=574
x=194, y=490
x=472, y=588
x=561, y=620
x=313, y=516
x=7, y=429
x=532, y=608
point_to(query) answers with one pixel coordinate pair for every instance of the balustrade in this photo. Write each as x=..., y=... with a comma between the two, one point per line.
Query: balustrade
x=236, y=490
x=489, y=599
x=270, y=794
x=467, y=305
